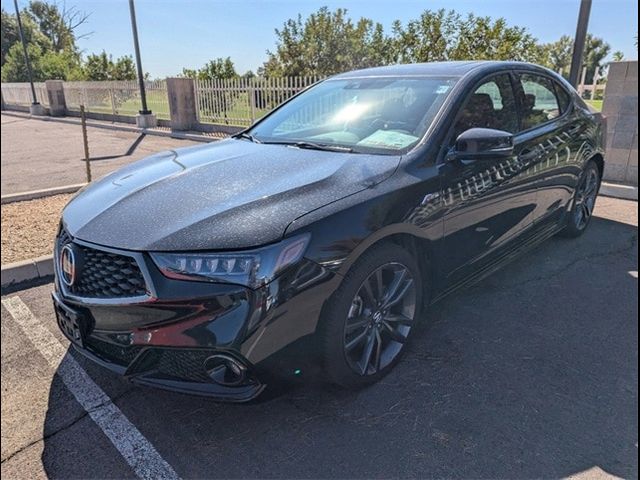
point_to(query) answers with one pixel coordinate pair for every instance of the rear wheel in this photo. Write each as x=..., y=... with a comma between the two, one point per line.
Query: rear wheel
x=584, y=201
x=371, y=317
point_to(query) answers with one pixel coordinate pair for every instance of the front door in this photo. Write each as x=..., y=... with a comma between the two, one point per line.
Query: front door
x=489, y=201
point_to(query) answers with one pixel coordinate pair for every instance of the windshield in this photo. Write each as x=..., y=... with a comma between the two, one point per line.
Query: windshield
x=376, y=115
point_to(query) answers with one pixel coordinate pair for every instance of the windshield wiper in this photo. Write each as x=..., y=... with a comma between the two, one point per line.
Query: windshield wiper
x=312, y=146
x=246, y=135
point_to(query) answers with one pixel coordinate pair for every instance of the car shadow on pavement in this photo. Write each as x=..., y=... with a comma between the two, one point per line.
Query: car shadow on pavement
x=531, y=373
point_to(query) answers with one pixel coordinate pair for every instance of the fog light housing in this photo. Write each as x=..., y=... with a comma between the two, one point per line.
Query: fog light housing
x=225, y=370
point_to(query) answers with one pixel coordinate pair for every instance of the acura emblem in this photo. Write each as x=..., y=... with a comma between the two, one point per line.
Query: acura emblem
x=67, y=265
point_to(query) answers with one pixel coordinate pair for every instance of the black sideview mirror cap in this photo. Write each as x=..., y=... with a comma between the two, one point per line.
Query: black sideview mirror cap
x=482, y=144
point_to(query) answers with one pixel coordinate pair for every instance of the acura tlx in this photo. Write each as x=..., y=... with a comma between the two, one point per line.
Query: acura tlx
x=332, y=222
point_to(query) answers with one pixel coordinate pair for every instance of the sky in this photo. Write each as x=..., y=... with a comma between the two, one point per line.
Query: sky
x=187, y=33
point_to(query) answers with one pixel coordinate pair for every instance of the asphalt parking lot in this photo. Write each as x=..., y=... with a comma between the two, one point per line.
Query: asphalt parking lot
x=38, y=154
x=532, y=373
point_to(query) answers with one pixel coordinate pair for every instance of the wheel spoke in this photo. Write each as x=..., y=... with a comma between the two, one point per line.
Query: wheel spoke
x=399, y=294
x=587, y=211
x=370, y=297
x=401, y=319
x=356, y=323
x=394, y=334
x=378, y=357
x=355, y=341
x=368, y=351
x=379, y=284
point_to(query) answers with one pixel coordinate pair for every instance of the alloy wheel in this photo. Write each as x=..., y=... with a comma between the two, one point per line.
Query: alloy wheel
x=586, y=199
x=380, y=319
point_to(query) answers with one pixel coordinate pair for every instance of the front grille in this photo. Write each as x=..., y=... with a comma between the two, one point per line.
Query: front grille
x=103, y=274
x=184, y=364
x=121, y=355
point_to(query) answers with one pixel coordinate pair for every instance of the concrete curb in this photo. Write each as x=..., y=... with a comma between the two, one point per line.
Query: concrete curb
x=625, y=192
x=123, y=128
x=27, y=270
x=46, y=192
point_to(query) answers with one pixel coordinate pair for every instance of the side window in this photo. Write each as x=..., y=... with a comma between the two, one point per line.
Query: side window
x=540, y=103
x=564, y=99
x=491, y=105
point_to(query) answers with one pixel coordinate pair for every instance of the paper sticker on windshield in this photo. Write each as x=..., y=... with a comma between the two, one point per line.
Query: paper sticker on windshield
x=442, y=89
x=388, y=139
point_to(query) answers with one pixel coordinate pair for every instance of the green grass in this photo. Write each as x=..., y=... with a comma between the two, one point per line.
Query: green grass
x=597, y=104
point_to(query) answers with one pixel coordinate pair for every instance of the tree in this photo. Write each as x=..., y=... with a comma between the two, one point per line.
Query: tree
x=329, y=42
x=557, y=55
x=618, y=56
x=50, y=32
x=102, y=67
x=446, y=35
x=326, y=43
x=58, y=23
x=219, y=68
x=10, y=35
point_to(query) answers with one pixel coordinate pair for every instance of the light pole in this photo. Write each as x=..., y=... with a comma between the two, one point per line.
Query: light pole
x=35, y=108
x=579, y=41
x=145, y=117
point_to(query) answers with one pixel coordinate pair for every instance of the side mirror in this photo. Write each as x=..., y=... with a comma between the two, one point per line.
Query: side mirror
x=482, y=144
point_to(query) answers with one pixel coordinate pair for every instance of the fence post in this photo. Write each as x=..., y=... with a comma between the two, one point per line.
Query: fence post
x=113, y=103
x=57, y=102
x=252, y=103
x=183, y=110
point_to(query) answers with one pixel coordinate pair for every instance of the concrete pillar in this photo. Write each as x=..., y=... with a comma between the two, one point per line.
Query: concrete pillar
x=182, y=103
x=57, y=103
x=621, y=109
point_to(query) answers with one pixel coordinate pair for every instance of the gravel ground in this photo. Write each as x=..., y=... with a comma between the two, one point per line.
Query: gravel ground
x=28, y=228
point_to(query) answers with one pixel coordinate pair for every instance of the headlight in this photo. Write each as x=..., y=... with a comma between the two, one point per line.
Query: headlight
x=252, y=268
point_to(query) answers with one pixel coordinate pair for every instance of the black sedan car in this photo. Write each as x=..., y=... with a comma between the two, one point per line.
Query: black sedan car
x=339, y=217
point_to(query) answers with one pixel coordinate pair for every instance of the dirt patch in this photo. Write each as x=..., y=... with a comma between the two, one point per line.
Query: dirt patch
x=28, y=228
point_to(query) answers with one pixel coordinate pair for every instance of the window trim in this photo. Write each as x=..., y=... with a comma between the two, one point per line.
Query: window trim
x=520, y=94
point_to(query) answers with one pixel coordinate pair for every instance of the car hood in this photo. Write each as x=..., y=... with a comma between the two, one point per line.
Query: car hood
x=224, y=195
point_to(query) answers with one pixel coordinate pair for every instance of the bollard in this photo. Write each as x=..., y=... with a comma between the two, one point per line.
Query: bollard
x=85, y=140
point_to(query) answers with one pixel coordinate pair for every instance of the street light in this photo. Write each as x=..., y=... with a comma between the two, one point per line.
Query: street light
x=579, y=41
x=35, y=108
x=145, y=117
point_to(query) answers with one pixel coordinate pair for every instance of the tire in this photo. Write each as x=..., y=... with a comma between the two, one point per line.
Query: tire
x=583, y=202
x=351, y=307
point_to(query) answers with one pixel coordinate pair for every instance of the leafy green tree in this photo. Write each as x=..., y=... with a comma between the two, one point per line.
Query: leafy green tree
x=10, y=35
x=446, y=35
x=557, y=55
x=219, y=68
x=325, y=43
x=47, y=65
x=618, y=56
x=101, y=66
x=50, y=31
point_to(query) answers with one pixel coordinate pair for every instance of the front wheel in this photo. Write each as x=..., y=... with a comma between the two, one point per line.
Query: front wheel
x=584, y=201
x=369, y=320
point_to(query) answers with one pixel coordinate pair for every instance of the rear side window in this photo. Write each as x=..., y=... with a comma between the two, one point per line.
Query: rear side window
x=491, y=105
x=564, y=99
x=540, y=103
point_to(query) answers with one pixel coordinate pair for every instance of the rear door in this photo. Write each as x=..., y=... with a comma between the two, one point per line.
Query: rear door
x=487, y=202
x=548, y=138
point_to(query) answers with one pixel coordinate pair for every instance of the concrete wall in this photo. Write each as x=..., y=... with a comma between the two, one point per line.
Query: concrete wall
x=621, y=109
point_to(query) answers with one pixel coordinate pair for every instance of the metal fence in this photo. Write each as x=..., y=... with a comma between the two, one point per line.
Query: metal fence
x=20, y=93
x=241, y=101
x=117, y=97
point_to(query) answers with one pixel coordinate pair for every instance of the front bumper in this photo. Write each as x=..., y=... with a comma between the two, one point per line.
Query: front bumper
x=166, y=340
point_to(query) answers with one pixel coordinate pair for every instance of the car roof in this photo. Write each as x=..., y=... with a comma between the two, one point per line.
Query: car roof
x=449, y=69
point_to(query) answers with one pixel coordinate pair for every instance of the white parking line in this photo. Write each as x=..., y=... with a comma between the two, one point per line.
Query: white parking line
x=139, y=453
